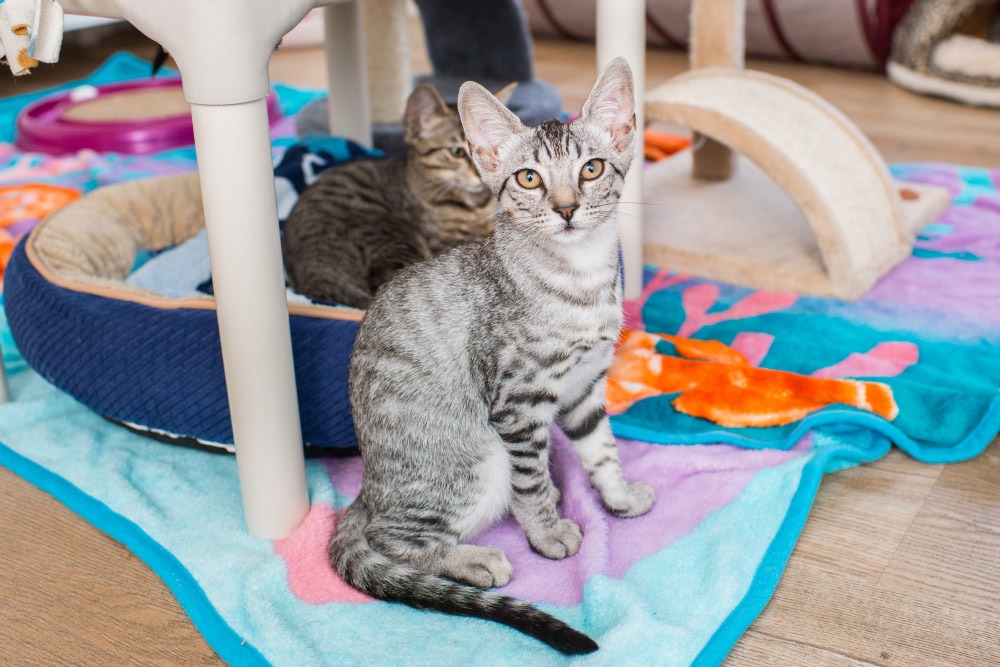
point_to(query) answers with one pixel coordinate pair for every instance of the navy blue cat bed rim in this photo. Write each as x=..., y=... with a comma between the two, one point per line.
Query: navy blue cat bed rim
x=150, y=361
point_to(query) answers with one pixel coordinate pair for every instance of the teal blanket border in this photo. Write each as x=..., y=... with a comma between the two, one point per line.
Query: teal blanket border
x=842, y=419
x=236, y=651
x=230, y=646
x=772, y=565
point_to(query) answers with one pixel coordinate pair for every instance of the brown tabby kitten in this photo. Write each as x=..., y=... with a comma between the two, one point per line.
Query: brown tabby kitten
x=362, y=222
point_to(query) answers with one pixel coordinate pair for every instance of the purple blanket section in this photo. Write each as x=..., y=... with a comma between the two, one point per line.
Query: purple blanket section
x=691, y=483
x=911, y=295
x=908, y=284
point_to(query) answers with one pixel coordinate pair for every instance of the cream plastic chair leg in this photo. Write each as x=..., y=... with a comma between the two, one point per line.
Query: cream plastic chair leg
x=621, y=31
x=234, y=165
x=222, y=49
x=346, y=71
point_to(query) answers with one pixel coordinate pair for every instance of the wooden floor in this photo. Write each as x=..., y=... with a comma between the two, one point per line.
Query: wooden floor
x=899, y=563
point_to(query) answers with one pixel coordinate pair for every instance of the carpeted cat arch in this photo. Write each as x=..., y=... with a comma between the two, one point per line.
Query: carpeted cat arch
x=782, y=191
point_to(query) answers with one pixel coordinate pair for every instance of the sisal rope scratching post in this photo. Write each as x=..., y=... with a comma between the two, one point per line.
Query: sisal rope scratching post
x=787, y=194
x=387, y=39
x=717, y=40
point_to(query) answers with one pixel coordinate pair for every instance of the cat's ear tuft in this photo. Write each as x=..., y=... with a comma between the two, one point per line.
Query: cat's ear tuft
x=423, y=104
x=488, y=125
x=611, y=105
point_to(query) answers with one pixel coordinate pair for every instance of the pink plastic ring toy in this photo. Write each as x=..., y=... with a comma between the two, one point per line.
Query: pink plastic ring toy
x=103, y=118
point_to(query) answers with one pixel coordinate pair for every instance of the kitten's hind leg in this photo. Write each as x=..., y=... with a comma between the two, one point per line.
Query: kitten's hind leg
x=586, y=424
x=355, y=296
x=326, y=271
x=392, y=257
x=485, y=567
x=341, y=289
x=426, y=546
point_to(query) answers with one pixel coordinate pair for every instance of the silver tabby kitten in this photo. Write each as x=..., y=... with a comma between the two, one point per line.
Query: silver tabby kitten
x=463, y=362
x=363, y=221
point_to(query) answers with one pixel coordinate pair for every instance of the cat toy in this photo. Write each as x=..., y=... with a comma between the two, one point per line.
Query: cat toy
x=135, y=117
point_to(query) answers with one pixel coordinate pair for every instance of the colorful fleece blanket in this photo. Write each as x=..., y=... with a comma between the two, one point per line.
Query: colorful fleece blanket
x=732, y=403
x=915, y=359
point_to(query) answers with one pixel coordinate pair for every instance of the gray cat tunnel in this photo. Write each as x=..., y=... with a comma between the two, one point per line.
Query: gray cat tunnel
x=782, y=192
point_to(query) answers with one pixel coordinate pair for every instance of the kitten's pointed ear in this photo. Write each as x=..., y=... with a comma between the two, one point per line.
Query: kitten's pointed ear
x=611, y=105
x=423, y=104
x=488, y=125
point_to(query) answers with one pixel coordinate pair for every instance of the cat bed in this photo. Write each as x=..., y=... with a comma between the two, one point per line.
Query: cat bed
x=147, y=360
x=932, y=55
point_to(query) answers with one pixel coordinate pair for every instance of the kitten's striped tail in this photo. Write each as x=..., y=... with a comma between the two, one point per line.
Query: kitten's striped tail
x=374, y=574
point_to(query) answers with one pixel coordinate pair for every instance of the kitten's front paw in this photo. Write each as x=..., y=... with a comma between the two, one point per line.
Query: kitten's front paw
x=639, y=501
x=562, y=541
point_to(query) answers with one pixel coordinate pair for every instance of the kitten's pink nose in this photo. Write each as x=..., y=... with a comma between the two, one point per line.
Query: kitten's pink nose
x=566, y=211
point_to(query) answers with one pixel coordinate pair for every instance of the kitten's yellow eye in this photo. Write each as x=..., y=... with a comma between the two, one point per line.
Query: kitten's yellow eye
x=592, y=170
x=458, y=151
x=528, y=179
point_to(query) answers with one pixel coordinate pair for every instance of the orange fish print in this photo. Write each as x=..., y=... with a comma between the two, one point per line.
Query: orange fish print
x=717, y=383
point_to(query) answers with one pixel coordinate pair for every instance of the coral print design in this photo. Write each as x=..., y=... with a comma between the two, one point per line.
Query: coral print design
x=724, y=383
x=708, y=362
x=719, y=384
x=21, y=206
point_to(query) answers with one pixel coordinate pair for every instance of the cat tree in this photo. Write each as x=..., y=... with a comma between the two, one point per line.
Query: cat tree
x=782, y=191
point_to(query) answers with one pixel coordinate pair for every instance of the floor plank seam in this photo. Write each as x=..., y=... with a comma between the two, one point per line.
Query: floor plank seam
x=902, y=537
x=817, y=647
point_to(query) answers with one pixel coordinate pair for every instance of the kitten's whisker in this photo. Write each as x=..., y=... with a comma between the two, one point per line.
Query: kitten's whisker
x=641, y=203
x=484, y=221
x=480, y=223
x=609, y=215
x=608, y=210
